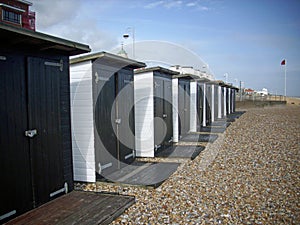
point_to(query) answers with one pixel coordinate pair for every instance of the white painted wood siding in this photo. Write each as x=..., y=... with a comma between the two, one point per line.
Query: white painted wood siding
x=193, y=106
x=82, y=117
x=144, y=114
x=175, y=110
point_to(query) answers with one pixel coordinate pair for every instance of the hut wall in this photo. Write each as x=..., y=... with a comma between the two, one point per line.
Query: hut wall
x=219, y=102
x=193, y=106
x=82, y=122
x=175, y=110
x=144, y=111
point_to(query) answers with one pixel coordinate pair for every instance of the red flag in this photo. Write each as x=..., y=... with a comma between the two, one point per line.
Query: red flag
x=283, y=62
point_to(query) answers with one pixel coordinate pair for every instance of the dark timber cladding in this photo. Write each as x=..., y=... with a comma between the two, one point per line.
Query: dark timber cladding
x=201, y=100
x=184, y=104
x=113, y=108
x=162, y=109
x=35, y=137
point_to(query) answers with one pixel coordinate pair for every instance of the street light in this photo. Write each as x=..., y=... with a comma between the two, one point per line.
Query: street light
x=130, y=30
x=226, y=77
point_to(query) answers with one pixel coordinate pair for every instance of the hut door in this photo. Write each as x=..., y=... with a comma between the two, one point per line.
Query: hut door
x=184, y=107
x=167, y=115
x=199, y=106
x=125, y=117
x=15, y=188
x=162, y=112
x=160, y=128
x=44, y=129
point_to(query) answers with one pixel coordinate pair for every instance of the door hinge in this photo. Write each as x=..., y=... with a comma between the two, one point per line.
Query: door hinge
x=31, y=133
x=6, y=215
x=3, y=58
x=60, y=64
x=65, y=189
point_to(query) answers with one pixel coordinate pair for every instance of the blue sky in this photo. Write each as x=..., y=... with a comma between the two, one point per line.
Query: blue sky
x=245, y=39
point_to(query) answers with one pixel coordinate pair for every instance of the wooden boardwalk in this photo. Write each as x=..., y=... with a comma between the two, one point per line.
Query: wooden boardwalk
x=77, y=207
x=179, y=151
x=142, y=174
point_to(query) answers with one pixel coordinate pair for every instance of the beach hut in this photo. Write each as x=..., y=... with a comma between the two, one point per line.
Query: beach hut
x=35, y=132
x=187, y=104
x=203, y=106
x=102, y=105
x=184, y=104
x=211, y=101
x=154, y=91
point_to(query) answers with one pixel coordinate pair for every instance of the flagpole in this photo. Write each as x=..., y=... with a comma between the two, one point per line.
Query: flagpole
x=285, y=80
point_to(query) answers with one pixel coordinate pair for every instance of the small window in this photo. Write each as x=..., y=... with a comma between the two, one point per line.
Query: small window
x=11, y=16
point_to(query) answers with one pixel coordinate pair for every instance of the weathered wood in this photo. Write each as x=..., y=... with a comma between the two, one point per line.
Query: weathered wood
x=200, y=137
x=78, y=207
x=181, y=152
x=148, y=174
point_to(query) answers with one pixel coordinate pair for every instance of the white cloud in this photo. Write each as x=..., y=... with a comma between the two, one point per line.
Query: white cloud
x=153, y=4
x=53, y=12
x=69, y=20
x=191, y=4
x=171, y=4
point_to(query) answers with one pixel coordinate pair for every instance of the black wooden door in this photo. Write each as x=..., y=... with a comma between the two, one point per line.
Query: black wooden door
x=31, y=160
x=15, y=188
x=199, y=106
x=208, y=103
x=167, y=115
x=44, y=117
x=184, y=106
x=125, y=116
x=105, y=134
x=160, y=128
x=163, y=129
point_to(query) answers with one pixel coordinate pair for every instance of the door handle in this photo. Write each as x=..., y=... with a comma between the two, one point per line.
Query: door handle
x=165, y=115
x=118, y=121
x=31, y=133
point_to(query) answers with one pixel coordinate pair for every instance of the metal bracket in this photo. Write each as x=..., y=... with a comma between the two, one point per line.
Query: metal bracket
x=60, y=64
x=96, y=78
x=118, y=121
x=165, y=115
x=31, y=133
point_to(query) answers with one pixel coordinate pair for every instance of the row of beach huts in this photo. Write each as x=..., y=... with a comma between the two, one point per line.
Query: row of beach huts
x=66, y=120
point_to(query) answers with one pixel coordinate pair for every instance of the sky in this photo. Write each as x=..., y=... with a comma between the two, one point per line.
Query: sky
x=245, y=39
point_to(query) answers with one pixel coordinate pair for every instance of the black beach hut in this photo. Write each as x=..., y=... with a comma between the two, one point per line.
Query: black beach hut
x=35, y=133
x=102, y=105
x=184, y=104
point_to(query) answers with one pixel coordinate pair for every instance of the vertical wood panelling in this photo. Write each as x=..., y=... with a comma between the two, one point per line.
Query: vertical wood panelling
x=144, y=114
x=193, y=106
x=175, y=109
x=82, y=122
x=16, y=187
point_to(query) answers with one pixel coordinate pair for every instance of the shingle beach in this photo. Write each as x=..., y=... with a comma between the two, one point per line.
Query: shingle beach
x=249, y=175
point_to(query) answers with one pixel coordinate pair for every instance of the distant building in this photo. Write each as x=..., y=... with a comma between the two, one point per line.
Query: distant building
x=17, y=13
x=191, y=71
x=248, y=91
x=263, y=92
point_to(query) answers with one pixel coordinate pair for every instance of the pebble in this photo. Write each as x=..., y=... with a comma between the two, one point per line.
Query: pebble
x=249, y=175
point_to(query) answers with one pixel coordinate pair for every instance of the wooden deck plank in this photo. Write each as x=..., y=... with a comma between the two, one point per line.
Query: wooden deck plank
x=200, y=137
x=180, y=151
x=77, y=207
x=148, y=174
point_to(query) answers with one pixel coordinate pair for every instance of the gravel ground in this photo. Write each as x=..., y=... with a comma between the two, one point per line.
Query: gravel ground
x=249, y=175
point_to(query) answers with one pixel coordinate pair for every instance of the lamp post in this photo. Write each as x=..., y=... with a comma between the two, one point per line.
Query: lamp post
x=126, y=35
x=226, y=77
